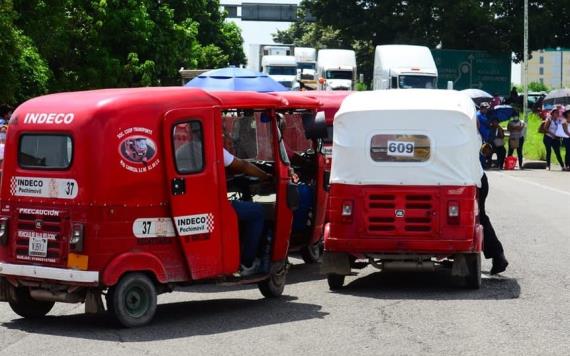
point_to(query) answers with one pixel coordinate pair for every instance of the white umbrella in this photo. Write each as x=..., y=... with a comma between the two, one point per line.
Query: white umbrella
x=558, y=96
x=477, y=95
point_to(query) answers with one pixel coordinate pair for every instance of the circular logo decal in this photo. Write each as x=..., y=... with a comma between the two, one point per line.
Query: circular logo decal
x=137, y=149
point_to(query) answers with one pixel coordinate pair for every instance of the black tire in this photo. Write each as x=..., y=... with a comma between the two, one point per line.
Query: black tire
x=473, y=279
x=312, y=253
x=273, y=286
x=27, y=307
x=336, y=281
x=133, y=300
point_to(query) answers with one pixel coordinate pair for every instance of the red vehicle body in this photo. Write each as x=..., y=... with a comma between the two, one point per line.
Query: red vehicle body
x=95, y=197
x=311, y=158
x=404, y=185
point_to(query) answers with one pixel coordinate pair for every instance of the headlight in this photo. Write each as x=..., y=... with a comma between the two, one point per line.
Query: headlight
x=3, y=230
x=76, y=240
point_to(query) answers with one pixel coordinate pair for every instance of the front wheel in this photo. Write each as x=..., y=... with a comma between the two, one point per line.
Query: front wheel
x=312, y=253
x=133, y=300
x=26, y=306
x=336, y=281
x=473, y=279
x=273, y=286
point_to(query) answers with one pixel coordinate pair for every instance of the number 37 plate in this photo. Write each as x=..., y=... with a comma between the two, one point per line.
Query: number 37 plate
x=401, y=148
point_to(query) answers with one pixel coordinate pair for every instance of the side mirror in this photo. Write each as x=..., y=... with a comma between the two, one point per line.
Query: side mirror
x=315, y=125
x=292, y=196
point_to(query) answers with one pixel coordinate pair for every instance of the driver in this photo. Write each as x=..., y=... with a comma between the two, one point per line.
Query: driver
x=250, y=215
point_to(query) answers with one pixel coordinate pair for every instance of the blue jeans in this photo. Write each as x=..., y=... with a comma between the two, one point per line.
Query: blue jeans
x=251, y=219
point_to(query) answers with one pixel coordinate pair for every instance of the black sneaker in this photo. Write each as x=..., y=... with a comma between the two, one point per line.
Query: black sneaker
x=500, y=264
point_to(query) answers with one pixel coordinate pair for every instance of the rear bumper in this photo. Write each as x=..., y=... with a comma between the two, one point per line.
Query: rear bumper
x=48, y=273
x=368, y=246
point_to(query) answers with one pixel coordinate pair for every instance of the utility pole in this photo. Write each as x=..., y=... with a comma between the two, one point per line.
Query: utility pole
x=525, y=77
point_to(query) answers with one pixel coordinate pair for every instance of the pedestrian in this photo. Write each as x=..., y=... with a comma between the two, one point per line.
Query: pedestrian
x=496, y=100
x=492, y=247
x=5, y=113
x=484, y=126
x=551, y=141
x=517, y=130
x=498, y=142
x=566, y=133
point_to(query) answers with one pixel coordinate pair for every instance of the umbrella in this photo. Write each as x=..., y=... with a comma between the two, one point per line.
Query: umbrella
x=477, y=95
x=235, y=79
x=501, y=112
x=558, y=96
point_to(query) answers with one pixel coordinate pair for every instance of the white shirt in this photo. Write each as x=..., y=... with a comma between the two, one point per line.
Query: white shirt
x=228, y=158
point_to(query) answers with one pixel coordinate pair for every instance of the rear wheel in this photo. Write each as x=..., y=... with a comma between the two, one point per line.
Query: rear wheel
x=473, y=279
x=27, y=307
x=133, y=300
x=336, y=281
x=273, y=286
x=312, y=253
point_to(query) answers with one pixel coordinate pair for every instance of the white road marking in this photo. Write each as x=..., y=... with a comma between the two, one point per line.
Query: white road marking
x=559, y=191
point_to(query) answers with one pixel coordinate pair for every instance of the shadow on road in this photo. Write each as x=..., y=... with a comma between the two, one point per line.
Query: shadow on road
x=177, y=320
x=423, y=286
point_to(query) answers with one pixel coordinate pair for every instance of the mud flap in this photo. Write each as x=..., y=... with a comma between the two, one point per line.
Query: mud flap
x=459, y=267
x=93, y=302
x=335, y=263
x=6, y=291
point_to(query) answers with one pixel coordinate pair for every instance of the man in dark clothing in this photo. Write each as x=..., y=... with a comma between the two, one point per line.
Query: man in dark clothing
x=492, y=247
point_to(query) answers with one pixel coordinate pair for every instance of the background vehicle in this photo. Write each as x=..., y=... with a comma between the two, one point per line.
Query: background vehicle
x=310, y=149
x=306, y=66
x=336, y=69
x=403, y=67
x=123, y=192
x=257, y=51
x=282, y=69
x=403, y=192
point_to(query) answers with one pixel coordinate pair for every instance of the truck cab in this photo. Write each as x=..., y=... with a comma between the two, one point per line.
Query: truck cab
x=282, y=69
x=123, y=193
x=336, y=69
x=404, y=67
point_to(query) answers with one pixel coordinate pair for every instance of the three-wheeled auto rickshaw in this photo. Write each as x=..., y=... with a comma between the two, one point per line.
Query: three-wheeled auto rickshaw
x=123, y=193
x=309, y=146
x=403, y=186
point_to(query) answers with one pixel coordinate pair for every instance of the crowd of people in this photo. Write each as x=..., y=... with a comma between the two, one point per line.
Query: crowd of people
x=493, y=136
x=556, y=135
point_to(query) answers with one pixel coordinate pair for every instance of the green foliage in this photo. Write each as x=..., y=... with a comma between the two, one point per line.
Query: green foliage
x=533, y=147
x=62, y=45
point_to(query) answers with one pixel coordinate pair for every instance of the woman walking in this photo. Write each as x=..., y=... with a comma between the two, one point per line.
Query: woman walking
x=551, y=140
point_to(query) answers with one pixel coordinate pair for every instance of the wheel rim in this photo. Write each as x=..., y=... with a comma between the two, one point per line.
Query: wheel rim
x=136, y=301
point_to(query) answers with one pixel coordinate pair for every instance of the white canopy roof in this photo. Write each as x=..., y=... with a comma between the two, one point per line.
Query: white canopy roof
x=446, y=117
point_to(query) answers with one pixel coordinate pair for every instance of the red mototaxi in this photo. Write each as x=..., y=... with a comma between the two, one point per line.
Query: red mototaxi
x=95, y=199
x=403, y=185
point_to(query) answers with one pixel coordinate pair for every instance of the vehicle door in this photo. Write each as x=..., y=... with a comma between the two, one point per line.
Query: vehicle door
x=189, y=136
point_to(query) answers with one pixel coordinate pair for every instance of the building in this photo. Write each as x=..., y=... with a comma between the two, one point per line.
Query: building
x=551, y=67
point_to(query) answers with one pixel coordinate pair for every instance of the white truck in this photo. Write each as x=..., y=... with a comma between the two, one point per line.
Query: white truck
x=306, y=63
x=281, y=68
x=257, y=51
x=336, y=69
x=404, y=67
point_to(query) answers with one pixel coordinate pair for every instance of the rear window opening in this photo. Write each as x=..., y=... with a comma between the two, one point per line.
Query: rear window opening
x=45, y=151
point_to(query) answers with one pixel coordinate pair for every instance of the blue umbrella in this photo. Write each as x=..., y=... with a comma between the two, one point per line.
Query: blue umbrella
x=501, y=112
x=235, y=79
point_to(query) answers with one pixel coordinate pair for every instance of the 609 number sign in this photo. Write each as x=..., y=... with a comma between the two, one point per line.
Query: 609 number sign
x=400, y=148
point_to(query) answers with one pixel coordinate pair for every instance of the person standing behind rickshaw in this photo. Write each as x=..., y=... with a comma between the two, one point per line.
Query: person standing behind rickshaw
x=552, y=142
x=517, y=129
x=566, y=140
x=498, y=142
x=485, y=130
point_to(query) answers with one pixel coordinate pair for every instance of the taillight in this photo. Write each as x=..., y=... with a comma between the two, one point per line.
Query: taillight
x=3, y=231
x=76, y=240
x=453, y=213
x=346, y=211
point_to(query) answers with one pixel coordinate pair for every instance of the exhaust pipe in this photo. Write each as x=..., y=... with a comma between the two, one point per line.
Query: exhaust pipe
x=49, y=296
x=407, y=266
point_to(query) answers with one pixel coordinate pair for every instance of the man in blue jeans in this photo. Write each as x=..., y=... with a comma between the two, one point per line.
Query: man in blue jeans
x=250, y=215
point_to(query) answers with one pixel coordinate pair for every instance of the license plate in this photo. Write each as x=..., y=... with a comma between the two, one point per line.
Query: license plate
x=38, y=247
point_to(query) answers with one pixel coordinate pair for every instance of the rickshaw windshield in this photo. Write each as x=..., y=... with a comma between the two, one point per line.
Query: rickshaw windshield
x=247, y=134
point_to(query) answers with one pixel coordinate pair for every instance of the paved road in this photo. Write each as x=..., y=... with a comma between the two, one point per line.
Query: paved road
x=526, y=311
